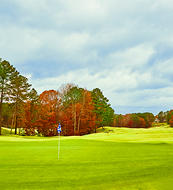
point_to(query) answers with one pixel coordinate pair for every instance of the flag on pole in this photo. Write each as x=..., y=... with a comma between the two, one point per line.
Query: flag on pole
x=59, y=131
x=59, y=128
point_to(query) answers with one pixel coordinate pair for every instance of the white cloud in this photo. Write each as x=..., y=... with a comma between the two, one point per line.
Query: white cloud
x=110, y=44
x=116, y=77
x=18, y=44
x=164, y=67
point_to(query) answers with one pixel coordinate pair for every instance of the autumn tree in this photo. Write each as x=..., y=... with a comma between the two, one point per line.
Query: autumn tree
x=87, y=116
x=71, y=98
x=47, y=121
x=163, y=116
x=134, y=120
x=170, y=118
x=148, y=117
x=77, y=113
x=118, y=120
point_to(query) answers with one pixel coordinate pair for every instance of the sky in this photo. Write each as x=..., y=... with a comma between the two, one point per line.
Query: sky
x=123, y=47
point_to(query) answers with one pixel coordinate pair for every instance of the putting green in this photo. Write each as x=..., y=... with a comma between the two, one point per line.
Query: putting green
x=114, y=160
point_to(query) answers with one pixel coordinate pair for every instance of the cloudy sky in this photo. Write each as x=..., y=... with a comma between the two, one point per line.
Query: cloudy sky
x=123, y=47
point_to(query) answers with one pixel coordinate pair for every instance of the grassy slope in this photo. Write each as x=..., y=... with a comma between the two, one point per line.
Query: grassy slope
x=98, y=161
x=158, y=134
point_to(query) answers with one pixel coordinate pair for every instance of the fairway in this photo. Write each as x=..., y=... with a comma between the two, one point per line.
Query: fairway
x=98, y=161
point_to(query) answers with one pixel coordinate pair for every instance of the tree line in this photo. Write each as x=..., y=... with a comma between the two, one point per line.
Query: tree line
x=165, y=117
x=80, y=111
x=15, y=90
x=134, y=120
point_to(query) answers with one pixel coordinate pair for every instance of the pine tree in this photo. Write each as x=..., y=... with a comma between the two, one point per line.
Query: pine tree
x=19, y=94
x=103, y=110
x=7, y=72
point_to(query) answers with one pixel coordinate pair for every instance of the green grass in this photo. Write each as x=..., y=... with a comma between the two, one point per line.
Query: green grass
x=158, y=134
x=122, y=159
x=7, y=131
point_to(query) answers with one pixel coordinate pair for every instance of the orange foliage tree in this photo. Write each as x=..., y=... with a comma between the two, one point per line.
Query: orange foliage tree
x=48, y=120
x=78, y=117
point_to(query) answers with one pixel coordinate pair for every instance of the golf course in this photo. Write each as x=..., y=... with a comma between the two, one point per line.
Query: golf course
x=112, y=158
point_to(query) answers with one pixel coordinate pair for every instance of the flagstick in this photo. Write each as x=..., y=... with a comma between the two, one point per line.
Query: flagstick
x=59, y=132
x=59, y=146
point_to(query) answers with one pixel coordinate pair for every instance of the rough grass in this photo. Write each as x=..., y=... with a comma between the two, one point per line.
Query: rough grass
x=157, y=134
x=8, y=132
x=119, y=159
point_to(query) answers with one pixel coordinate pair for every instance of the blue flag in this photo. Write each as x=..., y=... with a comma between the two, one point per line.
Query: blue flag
x=59, y=128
